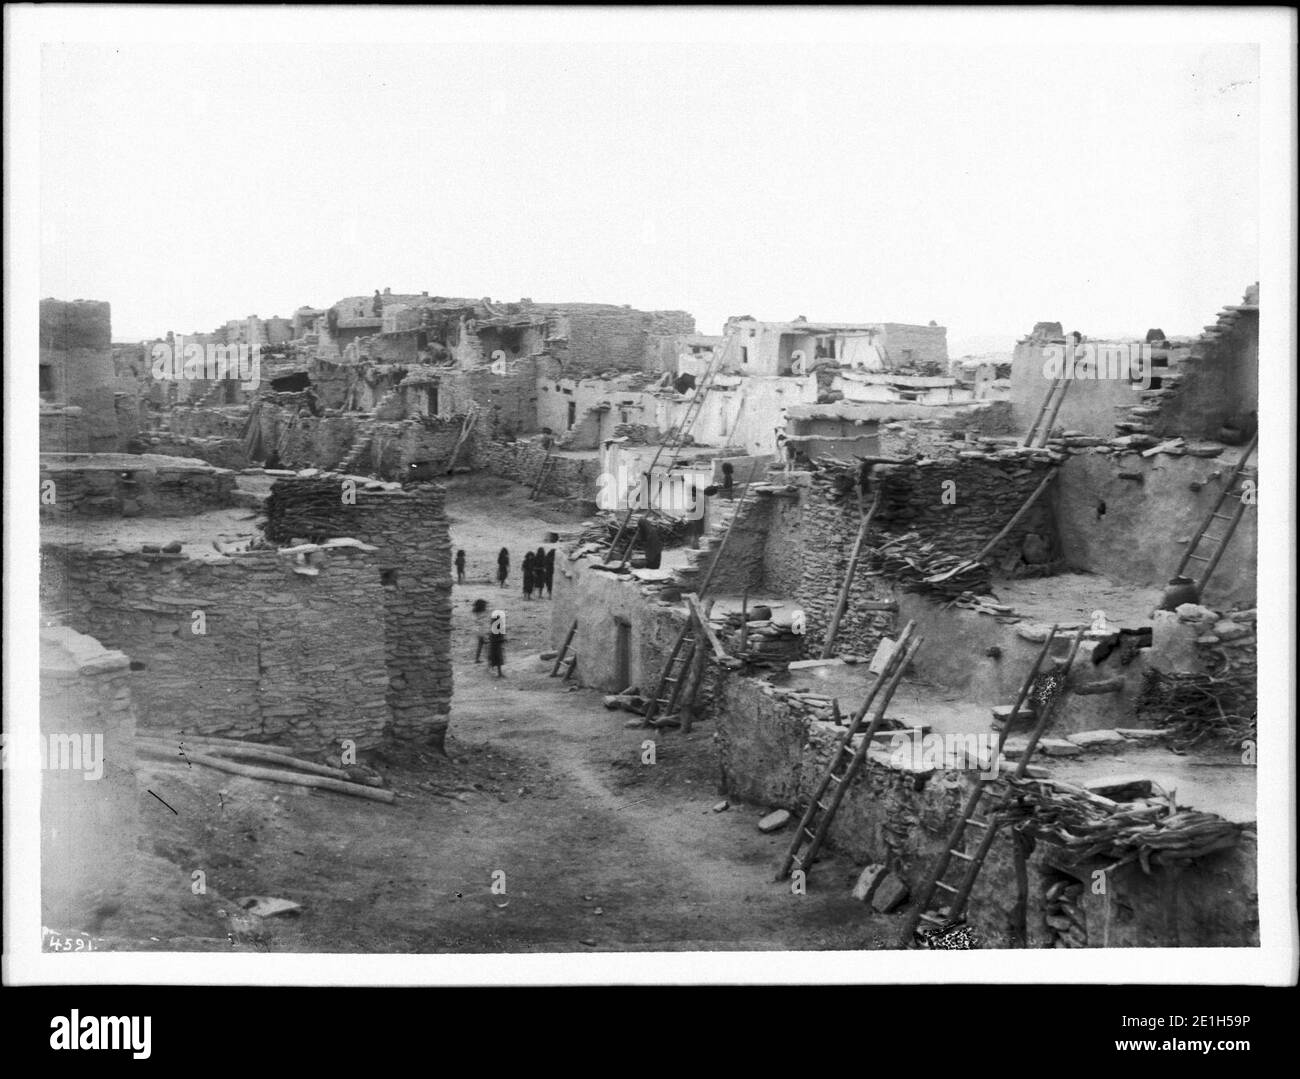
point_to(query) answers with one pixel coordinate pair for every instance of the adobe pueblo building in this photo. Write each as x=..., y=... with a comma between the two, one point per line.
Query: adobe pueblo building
x=920, y=606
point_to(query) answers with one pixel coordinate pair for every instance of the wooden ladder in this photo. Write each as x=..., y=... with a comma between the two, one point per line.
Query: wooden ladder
x=991, y=795
x=880, y=694
x=1042, y=425
x=545, y=469
x=565, y=655
x=676, y=673
x=687, y=630
x=682, y=428
x=1218, y=543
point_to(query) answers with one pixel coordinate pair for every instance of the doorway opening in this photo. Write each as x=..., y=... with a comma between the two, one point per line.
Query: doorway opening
x=622, y=653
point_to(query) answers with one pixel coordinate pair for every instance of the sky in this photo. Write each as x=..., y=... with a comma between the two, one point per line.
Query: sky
x=983, y=185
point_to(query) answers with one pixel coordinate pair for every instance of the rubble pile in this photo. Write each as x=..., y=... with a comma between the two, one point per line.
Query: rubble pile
x=766, y=641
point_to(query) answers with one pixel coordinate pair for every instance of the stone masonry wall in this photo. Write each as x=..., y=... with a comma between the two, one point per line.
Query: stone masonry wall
x=986, y=494
x=566, y=477
x=409, y=528
x=131, y=485
x=284, y=656
x=773, y=752
x=825, y=531
x=507, y=402
x=617, y=339
x=825, y=525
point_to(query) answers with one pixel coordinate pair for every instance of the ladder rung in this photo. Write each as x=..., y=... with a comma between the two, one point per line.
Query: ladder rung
x=824, y=807
x=1222, y=516
x=1198, y=557
x=934, y=918
x=962, y=855
x=810, y=833
x=978, y=823
x=672, y=679
x=945, y=886
x=1213, y=539
x=835, y=779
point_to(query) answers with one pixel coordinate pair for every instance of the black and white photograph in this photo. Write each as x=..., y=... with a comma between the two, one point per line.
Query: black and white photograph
x=649, y=495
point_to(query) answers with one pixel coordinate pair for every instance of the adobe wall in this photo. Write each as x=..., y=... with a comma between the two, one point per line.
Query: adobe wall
x=89, y=826
x=1090, y=406
x=63, y=429
x=927, y=344
x=1151, y=511
x=597, y=601
x=76, y=343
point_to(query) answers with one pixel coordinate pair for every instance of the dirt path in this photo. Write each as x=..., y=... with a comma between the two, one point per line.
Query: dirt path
x=551, y=800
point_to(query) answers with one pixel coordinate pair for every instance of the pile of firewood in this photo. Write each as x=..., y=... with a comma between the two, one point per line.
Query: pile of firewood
x=602, y=530
x=1089, y=826
x=1202, y=707
x=921, y=567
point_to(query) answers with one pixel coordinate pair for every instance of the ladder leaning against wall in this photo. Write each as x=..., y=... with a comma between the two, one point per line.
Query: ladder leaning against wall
x=848, y=757
x=1041, y=428
x=689, y=637
x=682, y=428
x=1216, y=545
x=990, y=797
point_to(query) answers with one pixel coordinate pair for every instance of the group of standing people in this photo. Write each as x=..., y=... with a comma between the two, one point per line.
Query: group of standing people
x=539, y=570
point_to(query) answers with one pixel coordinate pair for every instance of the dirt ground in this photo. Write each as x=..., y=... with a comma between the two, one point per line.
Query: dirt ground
x=544, y=793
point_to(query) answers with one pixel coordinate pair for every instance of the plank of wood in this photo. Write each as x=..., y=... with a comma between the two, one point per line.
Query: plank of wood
x=693, y=602
x=1172, y=444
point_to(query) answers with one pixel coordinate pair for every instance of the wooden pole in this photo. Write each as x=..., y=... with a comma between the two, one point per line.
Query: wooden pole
x=833, y=629
x=277, y=775
x=988, y=547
